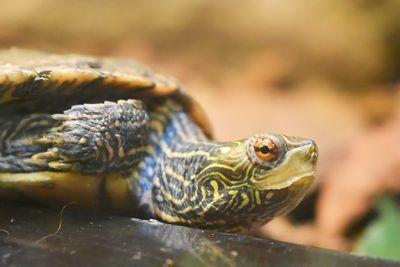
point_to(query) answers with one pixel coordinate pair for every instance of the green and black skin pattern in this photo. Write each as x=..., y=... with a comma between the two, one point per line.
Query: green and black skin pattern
x=112, y=134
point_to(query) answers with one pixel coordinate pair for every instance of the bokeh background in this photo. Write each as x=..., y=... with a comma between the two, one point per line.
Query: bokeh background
x=327, y=70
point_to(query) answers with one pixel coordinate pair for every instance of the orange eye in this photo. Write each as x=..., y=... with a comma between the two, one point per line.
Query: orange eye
x=265, y=149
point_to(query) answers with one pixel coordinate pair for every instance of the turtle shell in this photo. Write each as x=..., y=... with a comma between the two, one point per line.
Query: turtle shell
x=33, y=82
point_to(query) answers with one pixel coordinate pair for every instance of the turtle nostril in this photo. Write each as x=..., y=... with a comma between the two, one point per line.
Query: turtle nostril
x=314, y=157
x=313, y=147
x=313, y=151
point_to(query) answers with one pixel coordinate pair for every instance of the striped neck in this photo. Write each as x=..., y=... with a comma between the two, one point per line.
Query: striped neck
x=176, y=151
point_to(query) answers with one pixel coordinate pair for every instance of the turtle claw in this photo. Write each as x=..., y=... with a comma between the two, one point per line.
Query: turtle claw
x=64, y=166
x=50, y=154
x=55, y=160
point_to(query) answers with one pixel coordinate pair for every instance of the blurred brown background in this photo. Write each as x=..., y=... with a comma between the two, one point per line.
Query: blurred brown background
x=327, y=70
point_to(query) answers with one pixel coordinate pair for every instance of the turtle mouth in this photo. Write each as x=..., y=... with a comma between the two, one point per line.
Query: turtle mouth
x=310, y=175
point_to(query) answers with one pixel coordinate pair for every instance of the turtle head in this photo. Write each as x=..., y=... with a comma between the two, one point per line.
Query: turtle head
x=250, y=181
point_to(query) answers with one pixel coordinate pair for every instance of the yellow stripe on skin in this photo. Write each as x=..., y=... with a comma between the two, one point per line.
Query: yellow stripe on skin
x=223, y=166
x=172, y=154
x=245, y=201
x=158, y=126
x=208, y=206
x=171, y=198
x=213, y=174
x=187, y=209
x=171, y=172
x=150, y=150
x=257, y=196
x=163, y=117
x=214, y=185
x=170, y=218
x=233, y=193
x=194, y=196
x=135, y=150
x=170, y=106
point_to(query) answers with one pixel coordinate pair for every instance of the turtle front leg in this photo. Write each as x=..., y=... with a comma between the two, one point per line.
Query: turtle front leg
x=94, y=138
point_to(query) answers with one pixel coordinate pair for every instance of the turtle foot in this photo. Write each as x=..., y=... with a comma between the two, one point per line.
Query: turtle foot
x=94, y=138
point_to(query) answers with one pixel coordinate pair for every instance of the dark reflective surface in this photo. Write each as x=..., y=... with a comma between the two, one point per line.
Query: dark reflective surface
x=27, y=239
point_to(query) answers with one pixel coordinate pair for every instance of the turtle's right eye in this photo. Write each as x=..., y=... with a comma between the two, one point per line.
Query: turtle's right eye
x=265, y=149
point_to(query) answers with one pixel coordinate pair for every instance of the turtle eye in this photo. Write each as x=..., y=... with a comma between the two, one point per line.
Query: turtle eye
x=265, y=149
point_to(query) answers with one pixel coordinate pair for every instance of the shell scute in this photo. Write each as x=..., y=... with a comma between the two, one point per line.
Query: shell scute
x=32, y=81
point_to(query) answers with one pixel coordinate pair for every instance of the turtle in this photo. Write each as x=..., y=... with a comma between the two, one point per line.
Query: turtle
x=111, y=134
